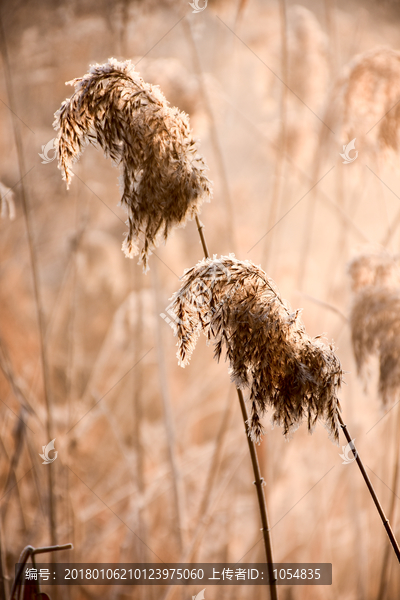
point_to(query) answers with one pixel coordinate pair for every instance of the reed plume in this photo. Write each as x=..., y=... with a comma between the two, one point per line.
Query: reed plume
x=237, y=306
x=375, y=318
x=364, y=102
x=7, y=206
x=163, y=181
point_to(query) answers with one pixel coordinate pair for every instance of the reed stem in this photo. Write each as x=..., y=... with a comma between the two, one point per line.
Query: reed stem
x=213, y=135
x=385, y=570
x=380, y=510
x=259, y=482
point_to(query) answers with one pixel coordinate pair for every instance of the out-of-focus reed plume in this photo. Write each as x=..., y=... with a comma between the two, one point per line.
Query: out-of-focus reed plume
x=375, y=317
x=364, y=101
x=163, y=181
x=236, y=304
x=7, y=206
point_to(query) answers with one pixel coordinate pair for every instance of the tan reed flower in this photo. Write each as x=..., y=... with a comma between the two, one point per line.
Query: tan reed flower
x=238, y=307
x=163, y=181
x=375, y=318
x=365, y=101
x=7, y=206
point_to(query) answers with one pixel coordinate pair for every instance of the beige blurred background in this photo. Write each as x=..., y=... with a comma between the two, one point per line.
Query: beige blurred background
x=152, y=459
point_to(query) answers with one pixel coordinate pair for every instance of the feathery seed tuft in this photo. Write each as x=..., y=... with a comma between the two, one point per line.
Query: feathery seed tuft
x=163, y=181
x=239, y=308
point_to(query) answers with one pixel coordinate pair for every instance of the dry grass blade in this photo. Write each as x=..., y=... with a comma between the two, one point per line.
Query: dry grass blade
x=237, y=306
x=163, y=181
x=375, y=318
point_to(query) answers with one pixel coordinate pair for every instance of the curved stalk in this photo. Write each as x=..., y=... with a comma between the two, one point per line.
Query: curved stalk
x=370, y=487
x=259, y=482
x=385, y=569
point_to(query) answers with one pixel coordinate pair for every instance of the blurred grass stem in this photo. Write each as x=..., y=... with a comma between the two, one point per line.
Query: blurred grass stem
x=35, y=277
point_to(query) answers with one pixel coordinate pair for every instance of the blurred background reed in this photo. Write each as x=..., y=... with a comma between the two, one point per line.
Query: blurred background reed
x=152, y=459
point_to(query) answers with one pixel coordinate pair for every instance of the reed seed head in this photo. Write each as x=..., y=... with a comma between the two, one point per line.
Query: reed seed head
x=369, y=92
x=162, y=180
x=375, y=318
x=239, y=308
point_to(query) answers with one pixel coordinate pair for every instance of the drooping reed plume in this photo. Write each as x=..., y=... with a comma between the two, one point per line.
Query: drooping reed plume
x=239, y=308
x=375, y=318
x=7, y=206
x=163, y=181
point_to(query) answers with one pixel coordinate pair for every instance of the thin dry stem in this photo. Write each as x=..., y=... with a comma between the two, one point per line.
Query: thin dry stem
x=35, y=276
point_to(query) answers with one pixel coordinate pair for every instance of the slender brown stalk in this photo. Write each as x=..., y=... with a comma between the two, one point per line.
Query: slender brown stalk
x=256, y=469
x=385, y=570
x=213, y=134
x=138, y=413
x=34, y=266
x=200, y=228
x=259, y=483
x=379, y=508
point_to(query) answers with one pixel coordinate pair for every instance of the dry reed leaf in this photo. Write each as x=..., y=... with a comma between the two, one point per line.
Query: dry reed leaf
x=163, y=181
x=375, y=318
x=7, y=206
x=238, y=307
